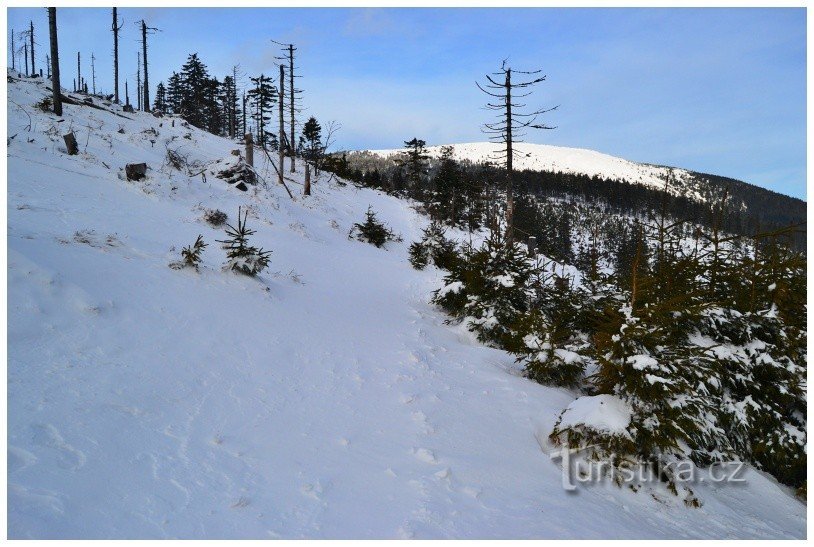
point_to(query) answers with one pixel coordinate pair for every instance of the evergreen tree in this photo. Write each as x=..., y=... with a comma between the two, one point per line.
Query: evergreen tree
x=311, y=139
x=194, y=90
x=415, y=163
x=160, y=102
x=373, y=231
x=433, y=248
x=242, y=257
x=262, y=97
x=488, y=289
x=174, y=93
x=229, y=106
x=445, y=200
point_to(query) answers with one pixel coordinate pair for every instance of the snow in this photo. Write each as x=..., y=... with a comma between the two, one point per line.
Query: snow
x=545, y=157
x=324, y=399
x=643, y=362
x=603, y=413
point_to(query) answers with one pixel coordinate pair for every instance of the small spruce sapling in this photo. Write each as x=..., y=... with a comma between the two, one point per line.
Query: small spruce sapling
x=373, y=231
x=433, y=248
x=191, y=255
x=242, y=257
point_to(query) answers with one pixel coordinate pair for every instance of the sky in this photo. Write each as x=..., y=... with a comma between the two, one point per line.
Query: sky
x=719, y=91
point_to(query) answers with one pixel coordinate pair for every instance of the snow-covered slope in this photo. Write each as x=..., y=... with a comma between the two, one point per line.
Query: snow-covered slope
x=544, y=157
x=324, y=399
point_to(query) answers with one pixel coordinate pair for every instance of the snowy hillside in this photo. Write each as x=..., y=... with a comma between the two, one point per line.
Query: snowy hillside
x=544, y=157
x=324, y=399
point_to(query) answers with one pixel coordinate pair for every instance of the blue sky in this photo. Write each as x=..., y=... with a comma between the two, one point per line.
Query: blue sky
x=715, y=90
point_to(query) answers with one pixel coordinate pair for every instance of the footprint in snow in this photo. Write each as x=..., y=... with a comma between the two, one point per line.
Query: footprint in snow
x=425, y=455
x=313, y=491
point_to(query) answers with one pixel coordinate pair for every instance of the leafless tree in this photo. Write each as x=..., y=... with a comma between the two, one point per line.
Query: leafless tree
x=293, y=100
x=93, y=71
x=116, y=27
x=145, y=95
x=138, y=80
x=512, y=120
x=281, y=108
x=52, y=31
x=31, y=38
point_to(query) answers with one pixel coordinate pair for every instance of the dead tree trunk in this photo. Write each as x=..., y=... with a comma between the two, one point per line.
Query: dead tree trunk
x=79, y=70
x=52, y=31
x=70, y=144
x=282, y=126
x=146, y=93
x=244, y=113
x=13, y=52
x=116, y=28
x=31, y=37
x=249, y=149
x=307, y=186
x=138, y=80
x=509, y=155
x=509, y=123
x=93, y=72
x=291, y=103
x=25, y=56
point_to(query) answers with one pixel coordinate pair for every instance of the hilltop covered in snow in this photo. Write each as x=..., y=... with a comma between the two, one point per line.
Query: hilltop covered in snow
x=325, y=398
x=545, y=157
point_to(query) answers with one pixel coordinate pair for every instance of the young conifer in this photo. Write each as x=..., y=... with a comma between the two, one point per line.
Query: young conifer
x=242, y=257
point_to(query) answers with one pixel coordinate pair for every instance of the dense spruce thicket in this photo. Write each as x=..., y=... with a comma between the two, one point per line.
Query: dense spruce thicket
x=690, y=314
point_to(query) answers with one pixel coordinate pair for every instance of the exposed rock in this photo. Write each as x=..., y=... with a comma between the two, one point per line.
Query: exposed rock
x=135, y=171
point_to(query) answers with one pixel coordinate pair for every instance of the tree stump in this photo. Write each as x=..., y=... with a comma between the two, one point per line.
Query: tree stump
x=307, y=186
x=247, y=138
x=532, y=246
x=70, y=144
x=135, y=171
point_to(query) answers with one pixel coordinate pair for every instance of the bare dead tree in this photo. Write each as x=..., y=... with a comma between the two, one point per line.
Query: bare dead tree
x=55, y=87
x=13, y=52
x=145, y=95
x=512, y=121
x=93, y=72
x=31, y=38
x=281, y=108
x=138, y=80
x=243, y=118
x=116, y=27
x=25, y=56
x=294, y=99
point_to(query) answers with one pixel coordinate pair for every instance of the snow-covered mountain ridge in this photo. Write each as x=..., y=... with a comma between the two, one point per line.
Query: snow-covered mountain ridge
x=545, y=157
x=324, y=399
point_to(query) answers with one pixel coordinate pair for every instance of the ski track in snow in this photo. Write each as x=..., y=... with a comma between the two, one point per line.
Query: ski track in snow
x=324, y=399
